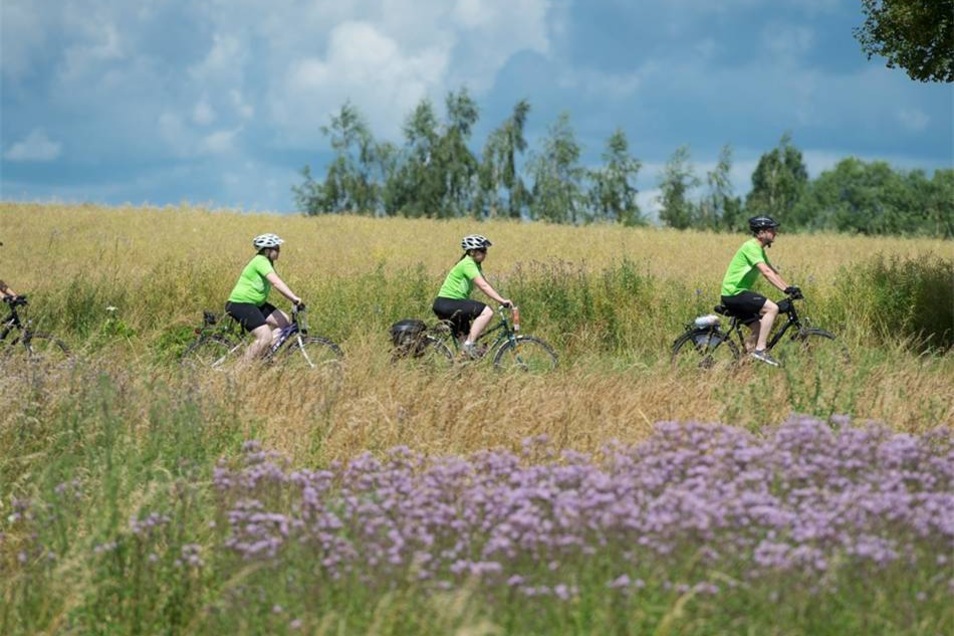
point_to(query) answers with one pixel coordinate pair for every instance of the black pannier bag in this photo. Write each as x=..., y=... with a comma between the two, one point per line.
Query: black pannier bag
x=408, y=337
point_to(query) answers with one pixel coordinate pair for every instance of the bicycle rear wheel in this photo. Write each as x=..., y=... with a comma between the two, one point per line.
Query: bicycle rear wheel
x=209, y=351
x=428, y=351
x=527, y=354
x=708, y=349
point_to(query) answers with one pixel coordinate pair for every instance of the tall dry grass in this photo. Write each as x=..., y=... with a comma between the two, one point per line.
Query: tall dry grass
x=161, y=267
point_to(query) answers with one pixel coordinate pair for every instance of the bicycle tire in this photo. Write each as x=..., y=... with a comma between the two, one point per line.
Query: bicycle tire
x=817, y=345
x=44, y=348
x=436, y=351
x=313, y=352
x=527, y=354
x=707, y=349
x=209, y=351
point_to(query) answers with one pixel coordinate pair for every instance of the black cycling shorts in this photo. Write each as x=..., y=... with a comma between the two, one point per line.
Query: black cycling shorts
x=460, y=313
x=250, y=316
x=747, y=306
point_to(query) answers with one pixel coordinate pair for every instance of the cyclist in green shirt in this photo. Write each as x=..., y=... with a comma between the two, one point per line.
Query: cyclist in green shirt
x=248, y=302
x=453, y=301
x=756, y=311
x=5, y=290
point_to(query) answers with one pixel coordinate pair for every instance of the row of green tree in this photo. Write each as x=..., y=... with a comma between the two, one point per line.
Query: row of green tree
x=435, y=173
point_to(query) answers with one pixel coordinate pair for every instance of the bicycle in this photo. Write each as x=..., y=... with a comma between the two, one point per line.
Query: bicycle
x=508, y=349
x=706, y=345
x=216, y=343
x=39, y=345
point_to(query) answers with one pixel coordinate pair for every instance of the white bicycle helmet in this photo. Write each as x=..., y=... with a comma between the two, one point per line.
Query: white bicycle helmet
x=475, y=242
x=263, y=241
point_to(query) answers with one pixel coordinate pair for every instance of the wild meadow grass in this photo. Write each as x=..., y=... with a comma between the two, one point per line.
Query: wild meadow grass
x=616, y=495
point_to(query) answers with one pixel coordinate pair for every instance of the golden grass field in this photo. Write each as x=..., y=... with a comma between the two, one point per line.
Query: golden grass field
x=174, y=262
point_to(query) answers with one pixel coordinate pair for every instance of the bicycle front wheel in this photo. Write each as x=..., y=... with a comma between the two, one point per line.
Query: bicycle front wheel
x=315, y=353
x=209, y=351
x=815, y=345
x=704, y=349
x=525, y=353
x=43, y=348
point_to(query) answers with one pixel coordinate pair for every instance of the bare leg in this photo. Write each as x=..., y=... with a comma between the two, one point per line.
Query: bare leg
x=277, y=321
x=752, y=340
x=263, y=339
x=480, y=323
x=769, y=312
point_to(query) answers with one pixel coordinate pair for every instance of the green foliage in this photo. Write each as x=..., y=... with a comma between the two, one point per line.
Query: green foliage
x=498, y=174
x=720, y=209
x=916, y=35
x=95, y=461
x=613, y=195
x=873, y=199
x=557, y=193
x=778, y=182
x=678, y=181
x=435, y=174
x=350, y=184
x=114, y=527
x=905, y=300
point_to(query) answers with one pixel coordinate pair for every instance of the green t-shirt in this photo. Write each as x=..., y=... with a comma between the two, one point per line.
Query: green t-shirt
x=460, y=280
x=252, y=286
x=742, y=272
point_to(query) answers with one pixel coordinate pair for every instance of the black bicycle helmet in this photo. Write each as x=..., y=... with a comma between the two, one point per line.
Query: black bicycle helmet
x=759, y=223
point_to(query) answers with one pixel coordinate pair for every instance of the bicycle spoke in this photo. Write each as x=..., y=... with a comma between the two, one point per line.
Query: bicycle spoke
x=815, y=345
x=704, y=349
x=44, y=349
x=209, y=352
x=315, y=354
x=526, y=354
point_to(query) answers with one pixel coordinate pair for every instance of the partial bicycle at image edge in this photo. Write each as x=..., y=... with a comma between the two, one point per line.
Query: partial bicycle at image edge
x=38, y=345
x=706, y=345
x=220, y=338
x=415, y=339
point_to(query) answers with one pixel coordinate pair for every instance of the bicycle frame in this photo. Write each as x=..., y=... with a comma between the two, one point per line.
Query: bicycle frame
x=230, y=330
x=786, y=306
x=502, y=325
x=297, y=328
x=12, y=322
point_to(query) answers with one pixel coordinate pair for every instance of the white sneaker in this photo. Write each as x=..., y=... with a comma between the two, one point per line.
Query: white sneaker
x=763, y=355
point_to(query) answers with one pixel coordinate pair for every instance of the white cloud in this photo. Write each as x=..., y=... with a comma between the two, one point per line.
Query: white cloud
x=611, y=86
x=218, y=143
x=174, y=133
x=913, y=119
x=223, y=62
x=203, y=114
x=243, y=108
x=787, y=44
x=365, y=66
x=24, y=33
x=103, y=44
x=37, y=146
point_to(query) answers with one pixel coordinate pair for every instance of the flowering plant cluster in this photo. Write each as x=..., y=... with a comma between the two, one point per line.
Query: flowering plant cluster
x=806, y=499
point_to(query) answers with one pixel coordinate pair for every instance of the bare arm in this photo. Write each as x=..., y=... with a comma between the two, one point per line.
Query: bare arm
x=485, y=287
x=772, y=276
x=5, y=290
x=282, y=288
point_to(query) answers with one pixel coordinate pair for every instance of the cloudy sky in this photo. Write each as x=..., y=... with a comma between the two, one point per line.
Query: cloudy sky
x=221, y=102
